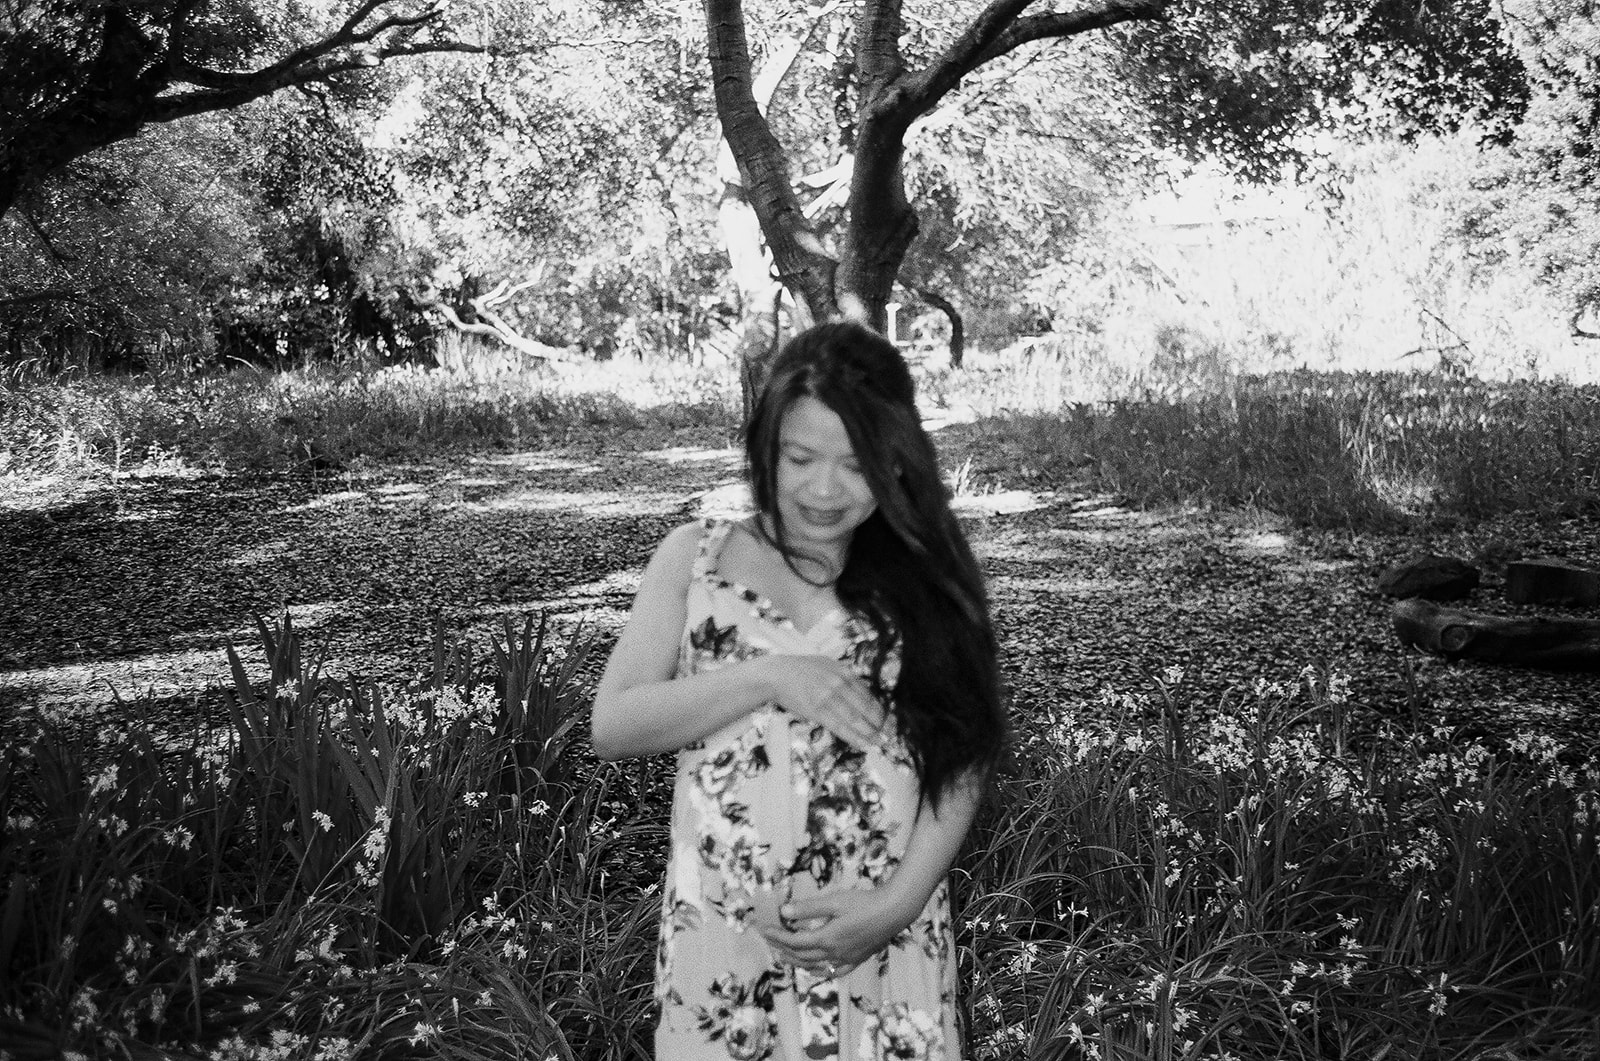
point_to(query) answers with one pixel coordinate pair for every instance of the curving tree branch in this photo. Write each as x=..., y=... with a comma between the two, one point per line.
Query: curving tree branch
x=138, y=66
x=1001, y=29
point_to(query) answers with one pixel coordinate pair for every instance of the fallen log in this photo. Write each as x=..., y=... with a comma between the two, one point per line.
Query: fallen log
x=1553, y=644
x=1551, y=581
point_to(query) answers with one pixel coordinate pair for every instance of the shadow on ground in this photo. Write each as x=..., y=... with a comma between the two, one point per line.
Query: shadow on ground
x=135, y=591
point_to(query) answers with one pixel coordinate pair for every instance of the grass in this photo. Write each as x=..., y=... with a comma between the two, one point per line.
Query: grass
x=1358, y=451
x=327, y=415
x=1247, y=882
x=353, y=871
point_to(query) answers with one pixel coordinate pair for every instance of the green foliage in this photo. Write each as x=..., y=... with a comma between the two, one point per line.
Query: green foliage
x=1245, y=84
x=1013, y=175
x=124, y=254
x=1367, y=271
x=298, y=226
x=513, y=168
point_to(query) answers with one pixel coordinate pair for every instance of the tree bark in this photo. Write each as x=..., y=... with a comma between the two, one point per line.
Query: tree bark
x=881, y=223
x=760, y=294
x=803, y=264
x=958, y=329
x=1554, y=644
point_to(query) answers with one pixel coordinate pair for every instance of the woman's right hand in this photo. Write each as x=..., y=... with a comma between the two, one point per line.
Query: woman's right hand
x=826, y=691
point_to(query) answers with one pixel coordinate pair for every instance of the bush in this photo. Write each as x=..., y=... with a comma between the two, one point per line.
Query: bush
x=323, y=418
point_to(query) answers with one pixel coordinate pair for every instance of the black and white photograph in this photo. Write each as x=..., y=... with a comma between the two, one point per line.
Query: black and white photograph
x=789, y=530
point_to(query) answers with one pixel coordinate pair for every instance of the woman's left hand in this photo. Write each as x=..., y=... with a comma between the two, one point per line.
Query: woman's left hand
x=834, y=932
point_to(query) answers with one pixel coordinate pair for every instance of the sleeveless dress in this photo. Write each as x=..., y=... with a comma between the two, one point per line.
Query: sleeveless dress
x=770, y=808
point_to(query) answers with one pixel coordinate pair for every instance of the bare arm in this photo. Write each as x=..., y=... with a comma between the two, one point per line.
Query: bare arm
x=642, y=708
x=639, y=707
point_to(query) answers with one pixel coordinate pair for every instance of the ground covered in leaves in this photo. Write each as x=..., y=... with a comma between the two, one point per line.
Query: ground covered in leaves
x=119, y=597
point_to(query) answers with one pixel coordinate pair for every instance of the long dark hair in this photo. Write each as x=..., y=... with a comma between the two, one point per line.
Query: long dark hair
x=910, y=571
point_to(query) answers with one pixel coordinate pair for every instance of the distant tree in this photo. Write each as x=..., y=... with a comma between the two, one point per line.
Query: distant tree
x=230, y=234
x=124, y=254
x=1540, y=200
x=415, y=194
x=1008, y=177
x=583, y=213
x=76, y=77
x=1229, y=79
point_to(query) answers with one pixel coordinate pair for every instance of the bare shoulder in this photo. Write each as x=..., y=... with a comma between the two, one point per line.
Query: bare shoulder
x=673, y=561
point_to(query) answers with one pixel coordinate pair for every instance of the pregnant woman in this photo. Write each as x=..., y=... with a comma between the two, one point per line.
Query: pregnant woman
x=825, y=671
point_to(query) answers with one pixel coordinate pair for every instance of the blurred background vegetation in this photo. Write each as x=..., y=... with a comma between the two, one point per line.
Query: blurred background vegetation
x=1334, y=192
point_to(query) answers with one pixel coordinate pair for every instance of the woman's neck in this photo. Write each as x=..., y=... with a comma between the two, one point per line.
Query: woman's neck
x=820, y=566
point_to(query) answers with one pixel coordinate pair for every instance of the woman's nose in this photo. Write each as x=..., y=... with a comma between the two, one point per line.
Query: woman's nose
x=826, y=483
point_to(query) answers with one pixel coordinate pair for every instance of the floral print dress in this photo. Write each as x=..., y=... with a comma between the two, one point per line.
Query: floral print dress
x=769, y=808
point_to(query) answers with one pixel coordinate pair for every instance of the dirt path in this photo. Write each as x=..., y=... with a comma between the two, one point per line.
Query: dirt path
x=135, y=591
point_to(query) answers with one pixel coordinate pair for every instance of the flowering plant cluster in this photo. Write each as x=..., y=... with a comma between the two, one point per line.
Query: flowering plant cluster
x=322, y=878
x=1259, y=881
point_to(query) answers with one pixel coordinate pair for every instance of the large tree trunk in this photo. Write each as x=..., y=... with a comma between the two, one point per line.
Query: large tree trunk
x=1557, y=644
x=760, y=293
x=881, y=223
x=880, y=228
x=802, y=263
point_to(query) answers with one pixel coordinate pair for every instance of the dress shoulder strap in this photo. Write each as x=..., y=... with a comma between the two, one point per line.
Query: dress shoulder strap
x=712, y=536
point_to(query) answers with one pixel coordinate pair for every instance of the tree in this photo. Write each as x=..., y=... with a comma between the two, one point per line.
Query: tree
x=1009, y=176
x=228, y=234
x=77, y=77
x=1540, y=201
x=1224, y=78
x=125, y=253
x=380, y=206
x=583, y=213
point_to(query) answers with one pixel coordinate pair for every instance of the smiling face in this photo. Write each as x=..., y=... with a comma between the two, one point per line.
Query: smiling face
x=822, y=495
